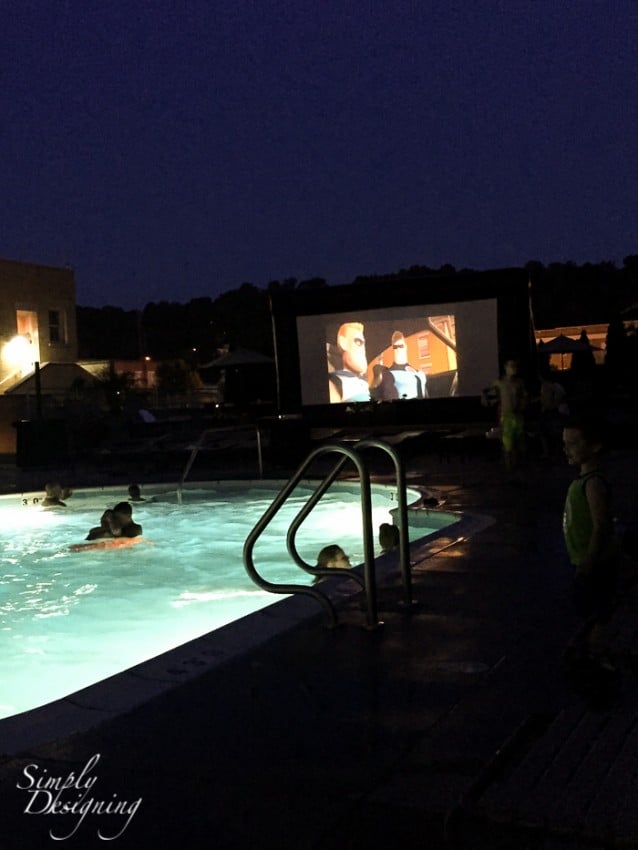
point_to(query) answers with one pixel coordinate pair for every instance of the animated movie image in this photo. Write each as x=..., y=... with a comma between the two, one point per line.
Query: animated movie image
x=379, y=361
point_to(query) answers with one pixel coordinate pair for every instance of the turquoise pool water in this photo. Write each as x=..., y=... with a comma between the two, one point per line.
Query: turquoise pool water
x=68, y=619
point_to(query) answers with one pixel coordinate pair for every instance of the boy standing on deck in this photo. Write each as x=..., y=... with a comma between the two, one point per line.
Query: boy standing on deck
x=511, y=396
x=589, y=537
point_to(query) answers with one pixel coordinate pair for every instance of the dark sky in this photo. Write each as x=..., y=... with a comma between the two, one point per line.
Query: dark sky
x=168, y=150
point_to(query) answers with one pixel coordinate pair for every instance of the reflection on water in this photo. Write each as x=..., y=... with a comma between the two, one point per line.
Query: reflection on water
x=69, y=619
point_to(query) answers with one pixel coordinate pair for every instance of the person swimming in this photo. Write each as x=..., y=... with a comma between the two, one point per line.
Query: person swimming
x=388, y=536
x=116, y=529
x=54, y=494
x=135, y=494
x=331, y=557
x=104, y=529
x=122, y=524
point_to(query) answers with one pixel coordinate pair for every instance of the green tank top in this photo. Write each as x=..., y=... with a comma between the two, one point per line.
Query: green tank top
x=577, y=520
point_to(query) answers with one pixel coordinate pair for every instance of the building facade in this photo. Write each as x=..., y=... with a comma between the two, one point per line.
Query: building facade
x=37, y=319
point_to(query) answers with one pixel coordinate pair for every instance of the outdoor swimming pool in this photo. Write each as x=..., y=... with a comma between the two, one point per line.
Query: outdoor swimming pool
x=70, y=619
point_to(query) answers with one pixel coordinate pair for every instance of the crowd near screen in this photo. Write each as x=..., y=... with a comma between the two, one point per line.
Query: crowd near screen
x=414, y=352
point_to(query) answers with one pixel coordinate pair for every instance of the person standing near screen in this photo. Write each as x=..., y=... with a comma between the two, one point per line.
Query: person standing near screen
x=509, y=393
x=349, y=383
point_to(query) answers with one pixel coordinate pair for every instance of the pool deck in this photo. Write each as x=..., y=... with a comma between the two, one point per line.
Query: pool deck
x=448, y=726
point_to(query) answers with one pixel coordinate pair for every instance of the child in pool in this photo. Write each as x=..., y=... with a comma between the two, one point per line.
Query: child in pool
x=135, y=494
x=122, y=524
x=331, y=557
x=388, y=536
x=116, y=529
x=54, y=494
x=104, y=528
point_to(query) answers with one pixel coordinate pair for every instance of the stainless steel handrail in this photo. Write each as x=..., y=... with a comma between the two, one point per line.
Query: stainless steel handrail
x=402, y=513
x=369, y=577
x=197, y=446
x=313, y=592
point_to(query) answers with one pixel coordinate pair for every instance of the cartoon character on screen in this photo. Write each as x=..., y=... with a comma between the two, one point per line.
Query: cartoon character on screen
x=402, y=380
x=349, y=382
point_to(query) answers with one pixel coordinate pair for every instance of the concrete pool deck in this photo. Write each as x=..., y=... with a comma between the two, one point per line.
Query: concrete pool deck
x=354, y=738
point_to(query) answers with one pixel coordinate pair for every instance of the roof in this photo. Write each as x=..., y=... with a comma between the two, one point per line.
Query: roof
x=55, y=378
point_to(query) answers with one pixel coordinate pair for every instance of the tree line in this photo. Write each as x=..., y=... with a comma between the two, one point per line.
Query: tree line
x=562, y=294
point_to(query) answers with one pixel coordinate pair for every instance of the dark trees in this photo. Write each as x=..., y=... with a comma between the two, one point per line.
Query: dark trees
x=562, y=294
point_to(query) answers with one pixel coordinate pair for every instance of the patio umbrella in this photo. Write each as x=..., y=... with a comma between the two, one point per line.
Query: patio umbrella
x=239, y=357
x=562, y=345
x=248, y=374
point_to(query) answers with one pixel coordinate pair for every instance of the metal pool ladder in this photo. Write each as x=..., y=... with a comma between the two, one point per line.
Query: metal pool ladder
x=195, y=448
x=368, y=582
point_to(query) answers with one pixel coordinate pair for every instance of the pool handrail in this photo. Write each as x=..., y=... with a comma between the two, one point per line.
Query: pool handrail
x=197, y=445
x=402, y=513
x=291, y=544
x=369, y=577
x=313, y=592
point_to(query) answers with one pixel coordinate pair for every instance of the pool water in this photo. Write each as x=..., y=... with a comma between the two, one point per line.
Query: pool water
x=70, y=619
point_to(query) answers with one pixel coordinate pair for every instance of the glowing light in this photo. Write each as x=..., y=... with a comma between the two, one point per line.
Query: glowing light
x=18, y=352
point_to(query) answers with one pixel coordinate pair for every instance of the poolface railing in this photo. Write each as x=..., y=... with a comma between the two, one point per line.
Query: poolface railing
x=369, y=577
x=197, y=446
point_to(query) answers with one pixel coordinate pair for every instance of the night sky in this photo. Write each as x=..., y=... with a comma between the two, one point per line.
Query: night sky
x=170, y=150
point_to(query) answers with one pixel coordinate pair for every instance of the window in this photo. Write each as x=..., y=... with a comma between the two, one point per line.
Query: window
x=423, y=345
x=56, y=327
